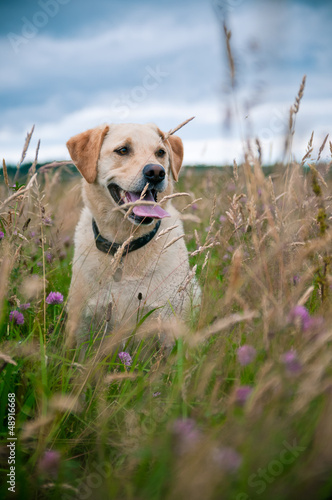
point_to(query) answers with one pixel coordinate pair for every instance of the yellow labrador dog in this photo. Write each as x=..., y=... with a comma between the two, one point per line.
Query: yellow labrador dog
x=122, y=266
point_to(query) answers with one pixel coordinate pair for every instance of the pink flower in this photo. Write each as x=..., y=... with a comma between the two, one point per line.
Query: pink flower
x=227, y=458
x=125, y=358
x=246, y=354
x=54, y=298
x=242, y=393
x=2, y=235
x=300, y=314
x=49, y=463
x=291, y=362
x=49, y=257
x=186, y=434
x=23, y=307
x=17, y=317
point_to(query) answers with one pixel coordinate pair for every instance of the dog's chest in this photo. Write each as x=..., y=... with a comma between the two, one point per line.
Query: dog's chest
x=138, y=284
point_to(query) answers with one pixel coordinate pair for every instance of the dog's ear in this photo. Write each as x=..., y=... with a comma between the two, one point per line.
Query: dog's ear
x=84, y=150
x=177, y=155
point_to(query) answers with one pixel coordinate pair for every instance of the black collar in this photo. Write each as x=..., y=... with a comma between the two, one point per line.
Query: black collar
x=111, y=247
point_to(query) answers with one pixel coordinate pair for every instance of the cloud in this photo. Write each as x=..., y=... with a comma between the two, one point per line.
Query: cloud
x=67, y=81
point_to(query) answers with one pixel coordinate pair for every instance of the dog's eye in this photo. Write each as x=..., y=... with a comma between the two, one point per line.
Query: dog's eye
x=161, y=152
x=122, y=151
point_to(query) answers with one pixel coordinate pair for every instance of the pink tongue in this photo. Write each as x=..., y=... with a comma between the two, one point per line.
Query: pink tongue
x=155, y=212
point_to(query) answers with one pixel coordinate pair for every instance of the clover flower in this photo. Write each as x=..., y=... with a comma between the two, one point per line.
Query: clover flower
x=23, y=307
x=246, y=354
x=125, y=358
x=186, y=434
x=227, y=458
x=54, y=298
x=300, y=314
x=291, y=362
x=242, y=393
x=49, y=463
x=2, y=235
x=16, y=317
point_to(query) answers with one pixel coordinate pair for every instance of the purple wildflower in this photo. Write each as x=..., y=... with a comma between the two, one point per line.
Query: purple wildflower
x=291, y=362
x=54, y=298
x=32, y=234
x=296, y=279
x=49, y=257
x=156, y=394
x=125, y=358
x=299, y=314
x=23, y=307
x=186, y=434
x=246, y=354
x=194, y=206
x=17, y=317
x=227, y=458
x=2, y=235
x=222, y=218
x=49, y=463
x=47, y=221
x=242, y=393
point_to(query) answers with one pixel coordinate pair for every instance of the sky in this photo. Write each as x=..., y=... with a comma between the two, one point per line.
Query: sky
x=70, y=65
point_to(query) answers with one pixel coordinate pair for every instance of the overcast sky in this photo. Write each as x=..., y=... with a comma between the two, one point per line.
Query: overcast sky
x=69, y=65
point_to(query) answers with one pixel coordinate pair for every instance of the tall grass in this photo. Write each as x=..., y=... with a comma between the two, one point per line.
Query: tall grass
x=208, y=420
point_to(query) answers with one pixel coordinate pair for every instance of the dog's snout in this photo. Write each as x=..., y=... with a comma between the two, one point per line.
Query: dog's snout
x=154, y=173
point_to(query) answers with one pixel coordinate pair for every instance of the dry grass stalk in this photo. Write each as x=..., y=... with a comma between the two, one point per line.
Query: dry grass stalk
x=32, y=169
x=166, y=231
x=174, y=240
x=5, y=173
x=115, y=377
x=173, y=130
x=146, y=187
x=235, y=170
x=309, y=149
x=118, y=255
x=132, y=204
x=259, y=149
x=54, y=164
x=235, y=275
x=191, y=204
x=222, y=324
x=206, y=260
x=293, y=111
x=20, y=192
x=24, y=152
x=228, y=35
x=171, y=196
x=201, y=249
x=188, y=279
x=299, y=96
x=7, y=359
x=321, y=148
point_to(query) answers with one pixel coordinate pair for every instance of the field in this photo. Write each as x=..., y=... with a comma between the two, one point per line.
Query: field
x=240, y=409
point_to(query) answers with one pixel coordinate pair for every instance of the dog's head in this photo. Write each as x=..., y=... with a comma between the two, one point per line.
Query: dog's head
x=124, y=159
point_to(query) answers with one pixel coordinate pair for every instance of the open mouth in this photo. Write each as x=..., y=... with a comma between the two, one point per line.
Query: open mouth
x=141, y=214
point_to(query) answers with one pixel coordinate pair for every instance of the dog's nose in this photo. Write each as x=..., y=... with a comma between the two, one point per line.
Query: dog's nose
x=154, y=173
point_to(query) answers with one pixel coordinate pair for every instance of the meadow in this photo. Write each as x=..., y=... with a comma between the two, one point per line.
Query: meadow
x=242, y=406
